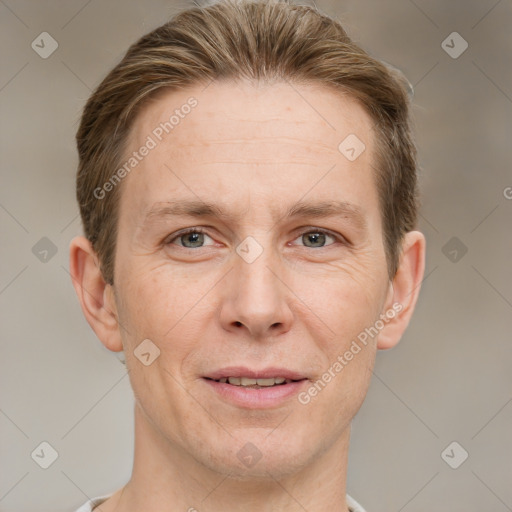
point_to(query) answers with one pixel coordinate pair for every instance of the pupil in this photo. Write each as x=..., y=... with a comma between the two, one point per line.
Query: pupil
x=195, y=236
x=315, y=237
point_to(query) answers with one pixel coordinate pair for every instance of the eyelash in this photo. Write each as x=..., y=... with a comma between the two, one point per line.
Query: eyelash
x=310, y=229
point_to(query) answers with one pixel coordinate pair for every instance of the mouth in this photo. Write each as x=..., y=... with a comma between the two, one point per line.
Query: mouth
x=255, y=389
x=248, y=382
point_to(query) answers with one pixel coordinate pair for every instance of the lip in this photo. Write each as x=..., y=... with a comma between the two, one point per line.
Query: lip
x=251, y=398
x=266, y=373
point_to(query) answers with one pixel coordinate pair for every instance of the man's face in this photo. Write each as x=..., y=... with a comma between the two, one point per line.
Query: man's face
x=257, y=289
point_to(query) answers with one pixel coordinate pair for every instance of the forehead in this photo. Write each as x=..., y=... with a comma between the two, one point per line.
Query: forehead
x=237, y=141
x=310, y=117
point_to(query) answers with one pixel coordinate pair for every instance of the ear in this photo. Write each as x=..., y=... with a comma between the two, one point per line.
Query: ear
x=404, y=290
x=96, y=297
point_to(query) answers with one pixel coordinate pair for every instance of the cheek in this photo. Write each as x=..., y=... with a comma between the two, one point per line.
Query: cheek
x=348, y=305
x=144, y=306
x=152, y=309
x=164, y=306
x=346, y=299
x=348, y=354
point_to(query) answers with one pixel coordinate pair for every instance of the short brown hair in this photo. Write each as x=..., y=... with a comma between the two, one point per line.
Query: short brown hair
x=235, y=39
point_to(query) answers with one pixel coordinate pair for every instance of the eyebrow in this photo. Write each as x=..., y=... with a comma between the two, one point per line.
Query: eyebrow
x=193, y=208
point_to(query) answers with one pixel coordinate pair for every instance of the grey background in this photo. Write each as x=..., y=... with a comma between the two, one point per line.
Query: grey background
x=448, y=380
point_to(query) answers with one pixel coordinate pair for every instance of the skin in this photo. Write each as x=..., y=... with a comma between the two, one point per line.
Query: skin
x=253, y=149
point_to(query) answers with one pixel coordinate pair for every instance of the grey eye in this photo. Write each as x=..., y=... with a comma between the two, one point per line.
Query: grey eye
x=315, y=238
x=192, y=239
x=195, y=239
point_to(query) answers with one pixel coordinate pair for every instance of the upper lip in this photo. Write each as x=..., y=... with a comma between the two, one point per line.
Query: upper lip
x=265, y=373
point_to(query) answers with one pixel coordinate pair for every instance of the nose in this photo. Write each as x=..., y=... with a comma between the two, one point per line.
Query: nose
x=256, y=297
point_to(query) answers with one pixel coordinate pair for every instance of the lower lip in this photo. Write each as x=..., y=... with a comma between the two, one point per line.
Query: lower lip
x=252, y=398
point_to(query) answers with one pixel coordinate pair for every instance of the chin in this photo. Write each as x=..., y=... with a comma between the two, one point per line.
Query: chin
x=257, y=455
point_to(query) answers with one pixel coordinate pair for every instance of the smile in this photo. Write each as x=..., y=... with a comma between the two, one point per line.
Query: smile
x=254, y=383
x=256, y=393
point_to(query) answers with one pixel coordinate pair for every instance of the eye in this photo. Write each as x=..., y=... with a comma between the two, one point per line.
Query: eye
x=192, y=236
x=317, y=238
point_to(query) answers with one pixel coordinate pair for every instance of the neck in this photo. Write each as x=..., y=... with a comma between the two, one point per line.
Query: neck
x=165, y=478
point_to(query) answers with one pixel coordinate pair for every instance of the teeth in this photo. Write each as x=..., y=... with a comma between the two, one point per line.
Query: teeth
x=247, y=381
x=265, y=382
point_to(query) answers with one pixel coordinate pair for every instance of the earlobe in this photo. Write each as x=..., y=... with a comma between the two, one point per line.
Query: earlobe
x=95, y=295
x=405, y=289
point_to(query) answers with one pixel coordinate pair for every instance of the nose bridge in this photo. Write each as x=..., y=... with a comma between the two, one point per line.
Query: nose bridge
x=254, y=264
x=256, y=258
x=258, y=297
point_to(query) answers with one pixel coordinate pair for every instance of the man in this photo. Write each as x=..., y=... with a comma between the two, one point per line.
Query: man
x=247, y=185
